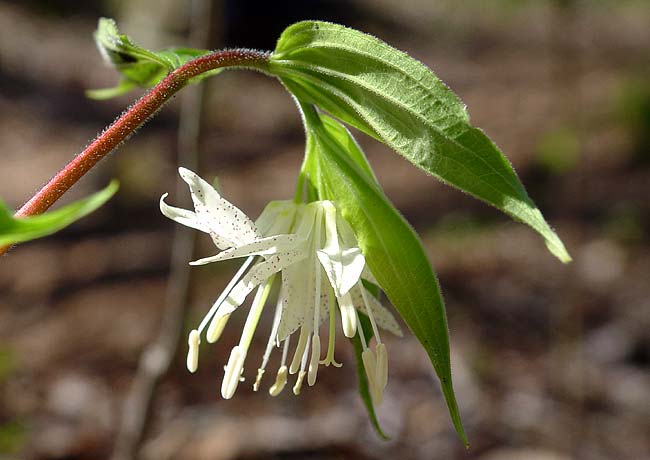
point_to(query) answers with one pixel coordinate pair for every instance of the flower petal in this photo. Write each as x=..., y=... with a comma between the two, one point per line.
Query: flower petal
x=383, y=317
x=295, y=291
x=346, y=234
x=256, y=276
x=219, y=215
x=305, y=219
x=343, y=269
x=342, y=266
x=260, y=247
x=182, y=216
x=276, y=217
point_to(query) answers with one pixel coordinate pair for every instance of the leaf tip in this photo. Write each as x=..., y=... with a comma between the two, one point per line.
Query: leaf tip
x=452, y=405
x=113, y=186
x=558, y=250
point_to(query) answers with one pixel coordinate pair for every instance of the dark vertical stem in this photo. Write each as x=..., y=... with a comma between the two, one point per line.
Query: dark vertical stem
x=157, y=358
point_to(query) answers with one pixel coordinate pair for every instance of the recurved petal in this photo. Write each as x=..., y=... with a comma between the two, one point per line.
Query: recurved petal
x=343, y=268
x=182, y=216
x=219, y=215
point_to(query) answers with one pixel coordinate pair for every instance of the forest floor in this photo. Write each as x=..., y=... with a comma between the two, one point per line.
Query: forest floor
x=550, y=362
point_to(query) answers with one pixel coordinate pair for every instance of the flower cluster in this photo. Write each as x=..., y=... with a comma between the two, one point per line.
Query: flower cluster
x=321, y=270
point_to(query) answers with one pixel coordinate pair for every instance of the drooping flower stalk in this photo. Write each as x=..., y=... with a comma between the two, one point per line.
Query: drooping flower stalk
x=133, y=118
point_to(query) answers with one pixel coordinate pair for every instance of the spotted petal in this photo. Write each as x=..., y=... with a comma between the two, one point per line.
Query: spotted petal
x=295, y=289
x=219, y=215
x=182, y=216
x=270, y=245
x=256, y=276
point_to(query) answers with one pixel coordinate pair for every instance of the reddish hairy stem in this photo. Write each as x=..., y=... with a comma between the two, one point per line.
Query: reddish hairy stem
x=134, y=117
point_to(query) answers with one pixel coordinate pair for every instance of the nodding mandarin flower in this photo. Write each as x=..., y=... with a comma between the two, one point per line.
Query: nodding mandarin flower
x=321, y=267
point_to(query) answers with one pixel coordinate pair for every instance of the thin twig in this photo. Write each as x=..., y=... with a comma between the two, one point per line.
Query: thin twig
x=156, y=359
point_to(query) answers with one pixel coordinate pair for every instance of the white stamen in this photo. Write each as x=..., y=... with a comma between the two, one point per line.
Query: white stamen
x=329, y=359
x=274, y=333
x=370, y=365
x=364, y=295
x=217, y=325
x=233, y=373
x=298, y=385
x=305, y=355
x=235, y=365
x=300, y=350
x=317, y=270
x=314, y=361
x=362, y=336
x=258, y=379
x=280, y=381
x=285, y=351
x=302, y=373
x=225, y=293
x=269, y=344
x=254, y=314
x=193, y=353
x=382, y=366
x=348, y=315
x=376, y=368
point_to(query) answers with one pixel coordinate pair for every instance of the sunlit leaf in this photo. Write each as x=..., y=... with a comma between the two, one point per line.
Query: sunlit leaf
x=17, y=230
x=391, y=247
x=399, y=101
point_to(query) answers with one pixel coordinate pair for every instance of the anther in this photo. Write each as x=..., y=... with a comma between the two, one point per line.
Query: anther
x=193, y=352
x=217, y=325
x=280, y=381
x=258, y=379
x=234, y=370
x=298, y=385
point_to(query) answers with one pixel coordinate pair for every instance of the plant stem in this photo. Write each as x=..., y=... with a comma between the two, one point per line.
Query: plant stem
x=158, y=356
x=134, y=117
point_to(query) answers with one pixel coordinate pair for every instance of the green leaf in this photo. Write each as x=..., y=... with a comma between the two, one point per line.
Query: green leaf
x=17, y=230
x=138, y=66
x=364, y=389
x=123, y=87
x=391, y=247
x=394, y=98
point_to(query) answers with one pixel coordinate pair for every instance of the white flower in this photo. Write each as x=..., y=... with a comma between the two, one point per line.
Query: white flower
x=301, y=241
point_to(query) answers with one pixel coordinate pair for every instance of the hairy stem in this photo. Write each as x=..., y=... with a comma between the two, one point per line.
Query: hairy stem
x=134, y=117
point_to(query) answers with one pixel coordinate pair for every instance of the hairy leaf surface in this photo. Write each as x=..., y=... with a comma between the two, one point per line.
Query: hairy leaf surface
x=138, y=67
x=396, y=99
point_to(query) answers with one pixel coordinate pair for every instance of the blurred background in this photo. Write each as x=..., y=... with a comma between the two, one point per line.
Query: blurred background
x=550, y=362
